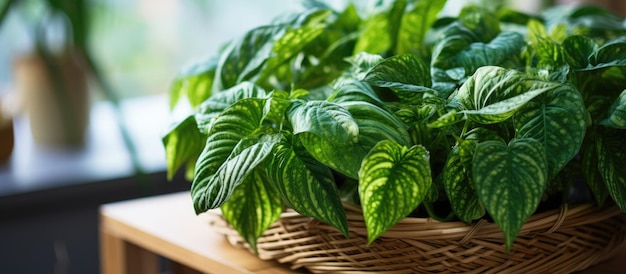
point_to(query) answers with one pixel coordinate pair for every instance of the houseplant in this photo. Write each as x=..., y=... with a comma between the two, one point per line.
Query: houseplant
x=489, y=116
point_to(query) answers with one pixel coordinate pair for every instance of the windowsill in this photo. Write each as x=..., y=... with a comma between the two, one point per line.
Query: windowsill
x=104, y=158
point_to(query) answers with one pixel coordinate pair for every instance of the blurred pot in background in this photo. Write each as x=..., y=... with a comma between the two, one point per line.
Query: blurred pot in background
x=55, y=96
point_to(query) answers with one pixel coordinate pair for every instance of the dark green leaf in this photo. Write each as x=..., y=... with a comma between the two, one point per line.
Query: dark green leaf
x=457, y=181
x=406, y=74
x=306, y=185
x=510, y=181
x=557, y=120
x=391, y=172
x=591, y=173
x=236, y=126
x=611, y=159
x=211, y=191
x=617, y=113
x=244, y=58
x=578, y=49
x=183, y=144
x=253, y=207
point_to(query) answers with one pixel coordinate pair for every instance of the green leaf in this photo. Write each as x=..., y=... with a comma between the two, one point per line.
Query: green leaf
x=362, y=62
x=351, y=90
x=343, y=157
x=243, y=58
x=510, y=181
x=211, y=191
x=502, y=49
x=494, y=94
x=183, y=144
x=376, y=124
x=611, y=159
x=557, y=120
x=291, y=44
x=256, y=192
x=457, y=181
x=391, y=172
x=195, y=83
x=617, y=113
x=591, y=173
x=324, y=119
x=220, y=101
x=612, y=53
x=306, y=185
x=578, y=49
x=415, y=24
x=236, y=126
x=405, y=69
x=379, y=32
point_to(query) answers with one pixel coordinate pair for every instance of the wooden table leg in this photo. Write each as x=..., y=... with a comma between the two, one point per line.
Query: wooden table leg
x=120, y=257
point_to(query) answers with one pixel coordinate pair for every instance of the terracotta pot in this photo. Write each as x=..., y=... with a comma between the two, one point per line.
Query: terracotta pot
x=58, y=108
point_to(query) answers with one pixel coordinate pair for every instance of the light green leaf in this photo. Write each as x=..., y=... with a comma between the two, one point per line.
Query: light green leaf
x=376, y=124
x=362, y=62
x=195, y=83
x=253, y=207
x=220, y=101
x=457, y=181
x=557, y=120
x=391, y=172
x=183, y=144
x=617, y=113
x=611, y=159
x=306, y=185
x=415, y=24
x=380, y=31
x=324, y=119
x=494, y=94
x=343, y=157
x=510, y=181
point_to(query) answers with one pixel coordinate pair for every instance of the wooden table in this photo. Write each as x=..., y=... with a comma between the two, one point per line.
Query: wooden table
x=133, y=234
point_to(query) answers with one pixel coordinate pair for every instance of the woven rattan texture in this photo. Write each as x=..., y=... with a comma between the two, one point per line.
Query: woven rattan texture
x=557, y=241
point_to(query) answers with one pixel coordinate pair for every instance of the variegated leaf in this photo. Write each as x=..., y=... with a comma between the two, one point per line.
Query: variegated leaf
x=394, y=180
x=306, y=185
x=258, y=193
x=458, y=184
x=510, y=181
x=558, y=120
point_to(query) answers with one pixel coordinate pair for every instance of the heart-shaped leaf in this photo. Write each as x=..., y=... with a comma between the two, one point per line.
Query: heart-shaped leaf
x=306, y=185
x=457, y=182
x=391, y=172
x=256, y=192
x=558, y=120
x=611, y=159
x=510, y=181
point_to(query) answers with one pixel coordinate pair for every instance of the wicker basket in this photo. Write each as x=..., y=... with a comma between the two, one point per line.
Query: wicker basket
x=556, y=241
